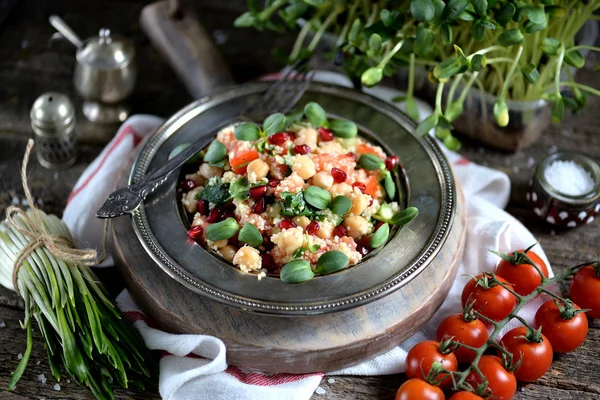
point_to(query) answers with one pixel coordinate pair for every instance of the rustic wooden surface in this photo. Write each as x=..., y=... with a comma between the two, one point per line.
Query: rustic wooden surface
x=326, y=342
x=28, y=68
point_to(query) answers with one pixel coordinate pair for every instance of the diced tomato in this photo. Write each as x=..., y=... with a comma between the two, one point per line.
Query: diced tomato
x=241, y=160
x=372, y=186
x=364, y=148
x=325, y=162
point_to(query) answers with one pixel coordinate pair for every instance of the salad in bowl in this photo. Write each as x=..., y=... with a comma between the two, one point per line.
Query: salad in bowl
x=298, y=196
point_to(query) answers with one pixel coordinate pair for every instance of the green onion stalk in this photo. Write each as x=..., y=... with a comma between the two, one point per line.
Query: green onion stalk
x=85, y=334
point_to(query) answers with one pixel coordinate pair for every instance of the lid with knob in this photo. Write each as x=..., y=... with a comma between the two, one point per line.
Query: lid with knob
x=52, y=113
x=106, y=51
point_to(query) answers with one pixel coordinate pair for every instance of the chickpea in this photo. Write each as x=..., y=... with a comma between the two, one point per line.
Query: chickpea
x=228, y=252
x=357, y=226
x=289, y=240
x=326, y=230
x=197, y=178
x=304, y=166
x=248, y=259
x=219, y=244
x=359, y=200
x=323, y=180
x=189, y=200
x=257, y=170
x=208, y=172
x=301, y=220
x=340, y=189
x=307, y=136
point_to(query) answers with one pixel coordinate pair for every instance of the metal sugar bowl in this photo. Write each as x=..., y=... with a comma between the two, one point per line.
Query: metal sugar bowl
x=105, y=73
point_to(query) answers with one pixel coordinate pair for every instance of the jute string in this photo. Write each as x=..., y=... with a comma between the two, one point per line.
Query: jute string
x=60, y=247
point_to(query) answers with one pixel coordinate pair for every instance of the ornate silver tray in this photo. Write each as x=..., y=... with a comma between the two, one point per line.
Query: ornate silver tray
x=426, y=183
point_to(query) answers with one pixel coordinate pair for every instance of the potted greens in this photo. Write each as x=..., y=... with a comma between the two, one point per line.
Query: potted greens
x=507, y=64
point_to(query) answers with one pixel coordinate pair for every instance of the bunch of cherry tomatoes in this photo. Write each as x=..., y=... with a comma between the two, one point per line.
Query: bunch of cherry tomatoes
x=492, y=368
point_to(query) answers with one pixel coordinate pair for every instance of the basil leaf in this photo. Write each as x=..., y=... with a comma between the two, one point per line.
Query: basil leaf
x=215, y=192
x=274, y=123
x=247, y=131
x=239, y=189
x=216, y=152
x=251, y=235
x=315, y=114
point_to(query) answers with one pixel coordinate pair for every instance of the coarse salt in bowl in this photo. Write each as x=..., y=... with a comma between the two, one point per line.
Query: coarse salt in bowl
x=565, y=189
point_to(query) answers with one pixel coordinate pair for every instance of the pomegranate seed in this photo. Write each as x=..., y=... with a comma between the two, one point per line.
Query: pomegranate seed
x=258, y=191
x=214, y=215
x=362, y=250
x=325, y=134
x=339, y=175
x=377, y=226
x=196, y=233
x=302, y=149
x=268, y=262
x=313, y=227
x=188, y=185
x=371, y=202
x=234, y=241
x=228, y=206
x=267, y=244
x=352, y=155
x=391, y=162
x=273, y=182
x=361, y=186
x=202, y=207
x=287, y=224
x=363, y=246
x=260, y=206
x=227, y=214
x=292, y=135
x=340, y=231
x=278, y=139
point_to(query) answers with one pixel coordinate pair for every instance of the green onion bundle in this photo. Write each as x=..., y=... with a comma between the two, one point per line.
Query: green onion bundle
x=84, y=332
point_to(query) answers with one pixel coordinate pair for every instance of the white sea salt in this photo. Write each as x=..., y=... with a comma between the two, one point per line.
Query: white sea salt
x=320, y=390
x=569, y=178
x=330, y=380
x=56, y=387
x=19, y=356
x=2, y=324
x=42, y=378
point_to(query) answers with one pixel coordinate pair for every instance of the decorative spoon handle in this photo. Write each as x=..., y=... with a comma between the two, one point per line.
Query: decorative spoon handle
x=125, y=200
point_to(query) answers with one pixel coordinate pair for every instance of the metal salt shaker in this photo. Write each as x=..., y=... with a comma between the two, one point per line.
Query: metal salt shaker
x=53, y=122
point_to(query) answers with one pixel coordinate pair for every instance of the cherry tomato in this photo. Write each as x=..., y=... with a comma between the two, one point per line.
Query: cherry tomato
x=472, y=333
x=421, y=357
x=523, y=276
x=565, y=335
x=501, y=382
x=491, y=299
x=414, y=389
x=465, y=396
x=585, y=290
x=536, y=358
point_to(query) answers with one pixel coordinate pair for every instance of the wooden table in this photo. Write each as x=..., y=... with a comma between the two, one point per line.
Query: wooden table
x=28, y=67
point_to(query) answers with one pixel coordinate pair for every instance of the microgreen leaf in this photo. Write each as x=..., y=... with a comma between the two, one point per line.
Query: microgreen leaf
x=535, y=14
x=510, y=37
x=296, y=271
x=371, y=76
x=505, y=13
x=404, y=216
x=453, y=9
x=251, y=235
x=274, y=123
x=331, y=262
x=423, y=41
x=343, y=128
x=371, y=162
x=341, y=205
x=375, y=43
x=422, y=10
x=390, y=185
x=427, y=124
x=317, y=197
x=315, y=114
x=531, y=73
x=247, y=132
x=216, y=152
x=380, y=236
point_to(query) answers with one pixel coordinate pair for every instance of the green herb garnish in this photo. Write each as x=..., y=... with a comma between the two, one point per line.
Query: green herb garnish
x=215, y=192
x=239, y=189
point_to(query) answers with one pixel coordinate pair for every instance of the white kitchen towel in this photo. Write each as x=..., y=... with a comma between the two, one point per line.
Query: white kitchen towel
x=194, y=366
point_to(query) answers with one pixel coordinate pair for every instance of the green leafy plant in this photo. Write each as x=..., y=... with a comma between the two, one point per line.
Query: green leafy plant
x=512, y=49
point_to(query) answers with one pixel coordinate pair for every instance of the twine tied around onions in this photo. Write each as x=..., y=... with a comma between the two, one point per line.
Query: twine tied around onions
x=61, y=247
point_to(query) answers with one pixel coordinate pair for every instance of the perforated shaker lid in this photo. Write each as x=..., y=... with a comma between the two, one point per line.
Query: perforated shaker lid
x=52, y=112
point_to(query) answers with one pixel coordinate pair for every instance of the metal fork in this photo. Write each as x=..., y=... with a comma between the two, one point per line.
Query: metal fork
x=280, y=97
